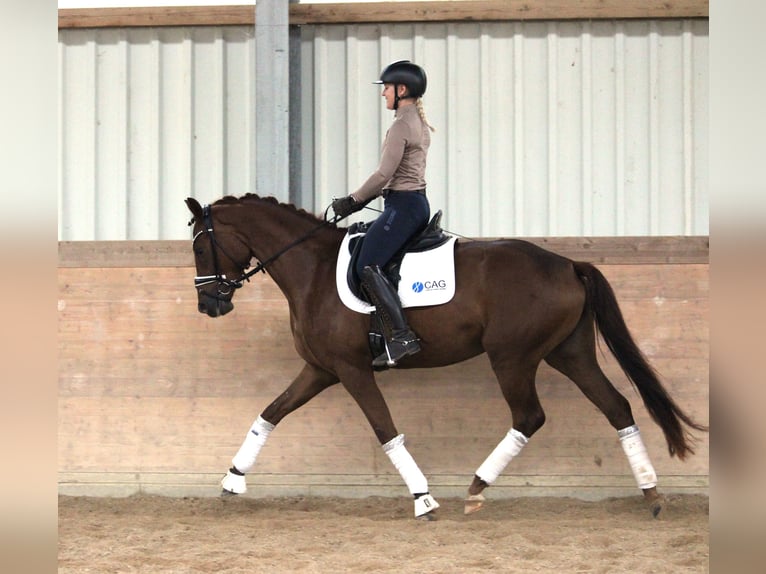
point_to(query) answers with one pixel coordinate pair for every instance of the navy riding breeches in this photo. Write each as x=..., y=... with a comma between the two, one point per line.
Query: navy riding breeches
x=404, y=214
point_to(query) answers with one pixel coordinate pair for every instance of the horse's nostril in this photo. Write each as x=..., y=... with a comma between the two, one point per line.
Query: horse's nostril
x=201, y=308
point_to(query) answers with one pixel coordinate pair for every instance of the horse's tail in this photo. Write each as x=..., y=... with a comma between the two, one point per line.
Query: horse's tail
x=611, y=324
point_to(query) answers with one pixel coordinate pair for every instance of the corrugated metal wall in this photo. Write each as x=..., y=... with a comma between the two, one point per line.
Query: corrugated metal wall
x=148, y=117
x=543, y=128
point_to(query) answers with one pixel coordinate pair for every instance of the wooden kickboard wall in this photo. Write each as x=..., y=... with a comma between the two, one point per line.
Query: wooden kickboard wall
x=155, y=397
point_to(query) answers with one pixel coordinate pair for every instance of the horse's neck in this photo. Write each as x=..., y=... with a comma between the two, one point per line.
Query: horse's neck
x=307, y=249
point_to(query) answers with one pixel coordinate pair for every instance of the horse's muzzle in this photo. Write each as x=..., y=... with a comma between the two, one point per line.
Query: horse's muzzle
x=214, y=307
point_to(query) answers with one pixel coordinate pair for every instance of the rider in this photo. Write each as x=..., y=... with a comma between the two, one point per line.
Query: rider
x=400, y=179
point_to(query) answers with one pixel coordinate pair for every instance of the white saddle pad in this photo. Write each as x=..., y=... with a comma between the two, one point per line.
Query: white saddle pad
x=427, y=278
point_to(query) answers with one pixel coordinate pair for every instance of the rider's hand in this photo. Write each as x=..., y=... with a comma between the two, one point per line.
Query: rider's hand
x=345, y=206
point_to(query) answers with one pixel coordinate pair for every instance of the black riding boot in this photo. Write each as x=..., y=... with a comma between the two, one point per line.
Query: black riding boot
x=400, y=340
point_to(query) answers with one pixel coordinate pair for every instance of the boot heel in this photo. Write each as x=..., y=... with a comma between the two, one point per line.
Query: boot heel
x=395, y=351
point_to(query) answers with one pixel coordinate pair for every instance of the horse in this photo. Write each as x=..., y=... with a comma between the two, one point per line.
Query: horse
x=566, y=305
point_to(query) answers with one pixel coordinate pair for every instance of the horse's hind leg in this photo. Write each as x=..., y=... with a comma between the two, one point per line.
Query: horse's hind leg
x=576, y=358
x=517, y=383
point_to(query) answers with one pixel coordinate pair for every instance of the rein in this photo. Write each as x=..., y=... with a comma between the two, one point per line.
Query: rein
x=219, y=277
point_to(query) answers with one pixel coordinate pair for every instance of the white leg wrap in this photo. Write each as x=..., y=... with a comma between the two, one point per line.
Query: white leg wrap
x=256, y=437
x=414, y=479
x=504, y=452
x=634, y=448
x=406, y=465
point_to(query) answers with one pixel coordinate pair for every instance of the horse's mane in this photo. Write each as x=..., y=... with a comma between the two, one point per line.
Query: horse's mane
x=255, y=198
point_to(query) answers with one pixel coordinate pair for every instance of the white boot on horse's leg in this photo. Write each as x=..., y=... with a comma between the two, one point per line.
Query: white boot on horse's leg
x=495, y=463
x=424, y=505
x=234, y=483
x=643, y=471
x=244, y=460
x=414, y=479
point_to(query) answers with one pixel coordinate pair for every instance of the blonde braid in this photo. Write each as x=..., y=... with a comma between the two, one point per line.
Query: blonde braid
x=422, y=114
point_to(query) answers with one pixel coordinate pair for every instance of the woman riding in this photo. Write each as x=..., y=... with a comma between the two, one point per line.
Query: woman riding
x=400, y=179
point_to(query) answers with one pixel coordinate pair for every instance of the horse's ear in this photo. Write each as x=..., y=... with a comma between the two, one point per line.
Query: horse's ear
x=194, y=207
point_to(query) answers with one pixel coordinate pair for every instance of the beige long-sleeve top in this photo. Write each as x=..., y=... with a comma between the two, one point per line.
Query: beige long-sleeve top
x=403, y=159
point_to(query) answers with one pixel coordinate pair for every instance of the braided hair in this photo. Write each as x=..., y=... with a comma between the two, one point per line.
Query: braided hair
x=422, y=113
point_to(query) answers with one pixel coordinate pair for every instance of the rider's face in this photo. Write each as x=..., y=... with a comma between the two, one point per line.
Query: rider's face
x=388, y=94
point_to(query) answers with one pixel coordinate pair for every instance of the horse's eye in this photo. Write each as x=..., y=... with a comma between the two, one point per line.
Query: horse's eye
x=198, y=251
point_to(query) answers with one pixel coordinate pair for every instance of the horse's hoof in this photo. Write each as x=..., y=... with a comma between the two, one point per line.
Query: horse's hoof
x=430, y=517
x=226, y=493
x=654, y=500
x=656, y=507
x=473, y=503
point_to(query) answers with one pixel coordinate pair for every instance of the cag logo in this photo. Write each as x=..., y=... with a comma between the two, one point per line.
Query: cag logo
x=419, y=287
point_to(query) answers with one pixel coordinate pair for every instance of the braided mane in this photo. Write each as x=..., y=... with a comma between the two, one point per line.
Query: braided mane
x=255, y=198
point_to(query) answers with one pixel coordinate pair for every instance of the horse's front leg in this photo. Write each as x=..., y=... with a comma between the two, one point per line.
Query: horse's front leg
x=362, y=387
x=309, y=383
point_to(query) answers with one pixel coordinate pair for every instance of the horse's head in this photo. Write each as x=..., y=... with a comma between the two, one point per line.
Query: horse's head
x=220, y=256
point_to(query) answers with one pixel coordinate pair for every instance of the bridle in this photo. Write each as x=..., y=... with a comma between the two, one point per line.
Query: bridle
x=225, y=285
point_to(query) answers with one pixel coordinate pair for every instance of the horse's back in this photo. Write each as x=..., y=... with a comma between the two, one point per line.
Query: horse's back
x=514, y=258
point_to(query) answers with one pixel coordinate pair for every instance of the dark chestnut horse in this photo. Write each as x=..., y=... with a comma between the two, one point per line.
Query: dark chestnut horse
x=564, y=303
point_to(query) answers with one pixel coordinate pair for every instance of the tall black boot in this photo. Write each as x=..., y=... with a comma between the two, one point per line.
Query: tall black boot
x=400, y=339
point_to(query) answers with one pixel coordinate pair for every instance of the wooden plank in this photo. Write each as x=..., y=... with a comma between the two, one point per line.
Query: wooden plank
x=83, y=254
x=156, y=16
x=629, y=250
x=142, y=374
x=375, y=12
x=119, y=324
x=266, y=478
x=201, y=435
x=659, y=282
x=599, y=250
x=494, y=10
x=264, y=485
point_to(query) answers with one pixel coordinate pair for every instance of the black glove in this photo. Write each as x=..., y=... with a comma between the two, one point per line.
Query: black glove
x=345, y=206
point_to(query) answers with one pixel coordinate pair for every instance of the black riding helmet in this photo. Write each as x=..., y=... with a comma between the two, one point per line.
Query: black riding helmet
x=406, y=73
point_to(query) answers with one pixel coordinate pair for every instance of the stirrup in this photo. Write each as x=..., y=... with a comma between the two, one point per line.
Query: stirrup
x=396, y=350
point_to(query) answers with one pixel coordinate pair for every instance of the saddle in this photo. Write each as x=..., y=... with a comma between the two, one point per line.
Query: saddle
x=426, y=262
x=430, y=237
